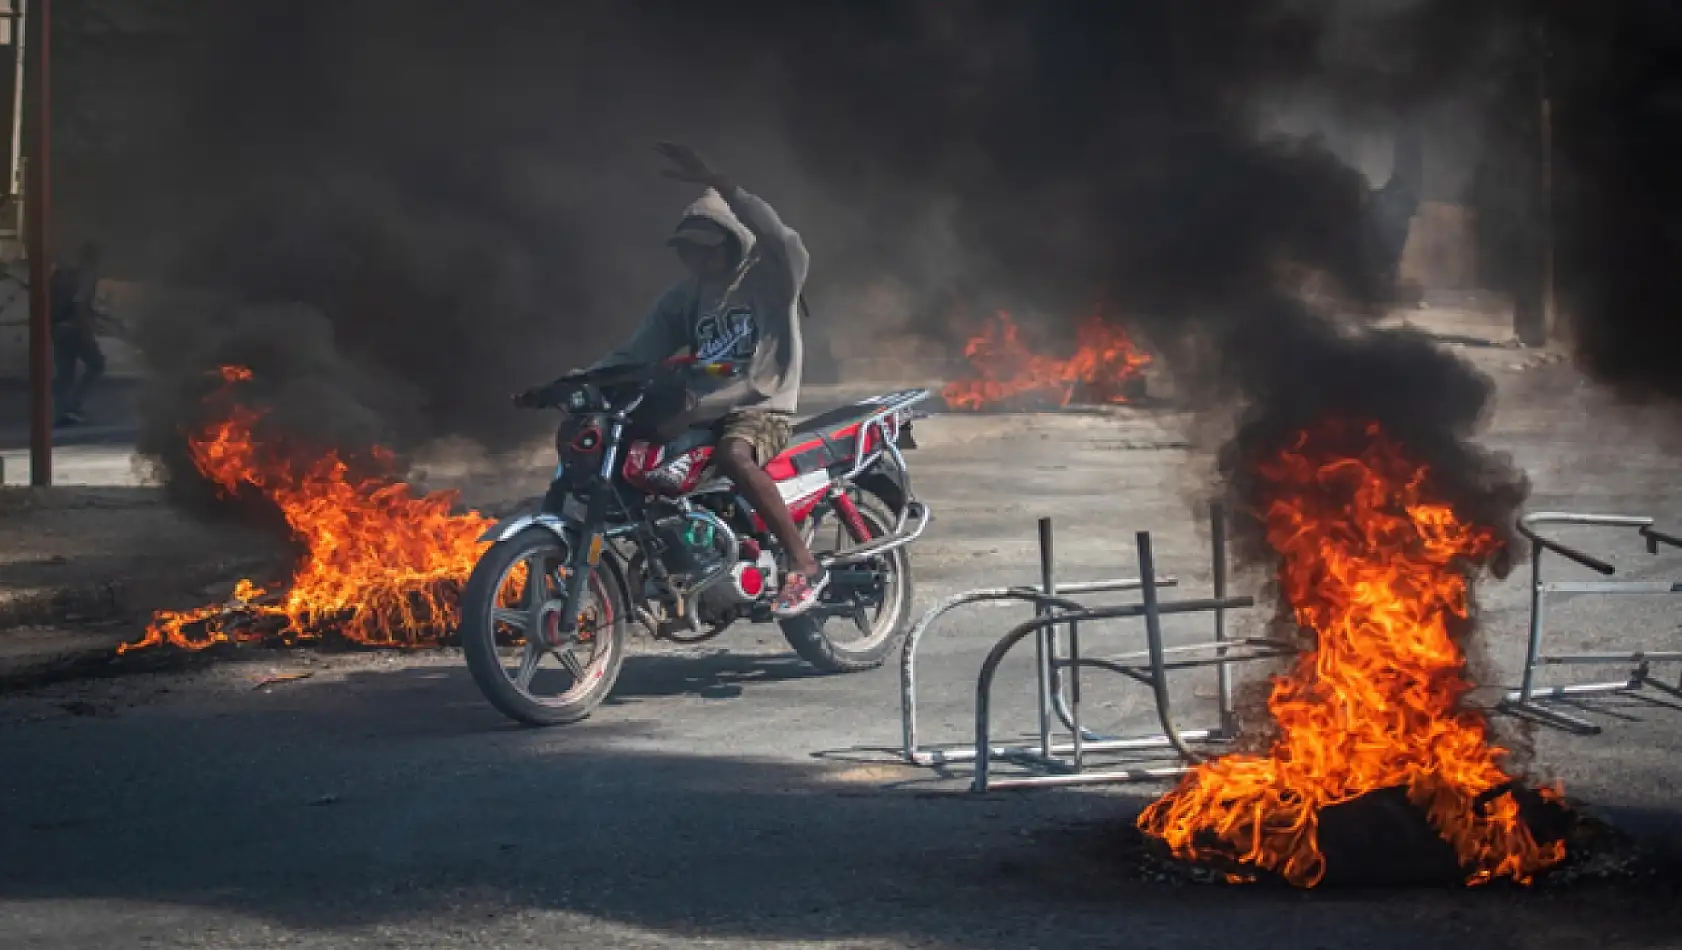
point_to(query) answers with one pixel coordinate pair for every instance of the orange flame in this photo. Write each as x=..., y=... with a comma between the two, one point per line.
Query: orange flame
x=1376, y=568
x=1104, y=363
x=381, y=566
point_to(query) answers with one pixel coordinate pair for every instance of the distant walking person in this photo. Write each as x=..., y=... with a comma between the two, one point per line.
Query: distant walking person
x=73, y=336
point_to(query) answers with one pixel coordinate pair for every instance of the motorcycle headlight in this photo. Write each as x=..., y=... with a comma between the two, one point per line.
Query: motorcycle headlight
x=578, y=440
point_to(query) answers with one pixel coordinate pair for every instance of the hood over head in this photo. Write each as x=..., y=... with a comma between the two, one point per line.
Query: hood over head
x=712, y=208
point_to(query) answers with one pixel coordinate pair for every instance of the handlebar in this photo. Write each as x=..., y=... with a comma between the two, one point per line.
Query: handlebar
x=555, y=394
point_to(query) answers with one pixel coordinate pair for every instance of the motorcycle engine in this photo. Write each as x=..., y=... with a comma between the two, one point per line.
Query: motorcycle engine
x=689, y=548
x=693, y=553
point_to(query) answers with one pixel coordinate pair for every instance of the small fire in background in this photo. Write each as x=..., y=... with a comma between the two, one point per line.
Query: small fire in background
x=381, y=566
x=1378, y=568
x=1105, y=368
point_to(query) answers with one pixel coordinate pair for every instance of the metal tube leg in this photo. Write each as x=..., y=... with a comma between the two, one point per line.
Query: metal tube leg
x=1042, y=684
x=1661, y=686
x=1554, y=717
x=1074, y=692
x=1223, y=672
x=1533, y=650
x=914, y=751
x=1045, y=642
x=1153, y=640
x=983, y=731
x=1152, y=611
x=908, y=693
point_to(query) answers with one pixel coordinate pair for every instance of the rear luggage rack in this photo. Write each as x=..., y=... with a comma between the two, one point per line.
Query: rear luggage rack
x=914, y=516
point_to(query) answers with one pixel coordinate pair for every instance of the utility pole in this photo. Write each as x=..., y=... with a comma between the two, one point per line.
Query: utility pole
x=14, y=168
x=1550, y=314
x=37, y=195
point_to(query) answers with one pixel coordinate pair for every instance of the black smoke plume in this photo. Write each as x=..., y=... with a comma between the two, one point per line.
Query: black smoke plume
x=1122, y=155
x=1614, y=80
x=464, y=201
x=407, y=209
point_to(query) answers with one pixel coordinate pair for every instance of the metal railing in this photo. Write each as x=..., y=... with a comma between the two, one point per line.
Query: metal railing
x=1056, y=630
x=1528, y=699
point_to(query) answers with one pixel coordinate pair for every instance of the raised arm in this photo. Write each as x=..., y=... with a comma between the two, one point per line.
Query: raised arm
x=780, y=244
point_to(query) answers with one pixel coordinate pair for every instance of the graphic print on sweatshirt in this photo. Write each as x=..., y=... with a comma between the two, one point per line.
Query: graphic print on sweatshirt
x=726, y=336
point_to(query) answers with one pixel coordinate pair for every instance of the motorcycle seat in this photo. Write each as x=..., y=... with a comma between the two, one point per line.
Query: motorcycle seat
x=837, y=426
x=826, y=441
x=830, y=439
x=835, y=419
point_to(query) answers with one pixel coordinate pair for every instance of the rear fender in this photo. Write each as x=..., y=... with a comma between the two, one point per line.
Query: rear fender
x=888, y=483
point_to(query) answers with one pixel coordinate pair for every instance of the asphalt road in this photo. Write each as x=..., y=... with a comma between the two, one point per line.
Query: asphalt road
x=726, y=798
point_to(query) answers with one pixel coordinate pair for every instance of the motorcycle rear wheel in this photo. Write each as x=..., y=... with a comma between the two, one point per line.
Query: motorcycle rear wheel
x=809, y=633
x=500, y=612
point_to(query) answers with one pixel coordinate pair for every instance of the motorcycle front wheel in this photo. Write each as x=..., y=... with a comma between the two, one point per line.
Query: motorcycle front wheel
x=515, y=594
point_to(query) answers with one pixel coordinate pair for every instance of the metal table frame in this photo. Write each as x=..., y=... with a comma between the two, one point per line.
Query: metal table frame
x=1056, y=626
x=1527, y=701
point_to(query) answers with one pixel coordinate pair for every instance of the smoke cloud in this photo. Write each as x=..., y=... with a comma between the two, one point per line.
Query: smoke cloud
x=1615, y=82
x=457, y=203
x=1129, y=155
x=420, y=210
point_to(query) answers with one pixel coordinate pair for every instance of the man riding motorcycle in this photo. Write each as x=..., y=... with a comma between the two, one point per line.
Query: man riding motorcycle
x=685, y=501
x=738, y=307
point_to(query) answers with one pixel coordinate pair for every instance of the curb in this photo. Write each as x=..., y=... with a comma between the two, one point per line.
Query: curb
x=36, y=656
x=127, y=599
x=50, y=634
x=63, y=657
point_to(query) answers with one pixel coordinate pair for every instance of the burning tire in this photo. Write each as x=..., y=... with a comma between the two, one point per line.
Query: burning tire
x=880, y=615
x=510, y=612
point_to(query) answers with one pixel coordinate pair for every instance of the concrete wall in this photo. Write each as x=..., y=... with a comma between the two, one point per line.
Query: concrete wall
x=1441, y=249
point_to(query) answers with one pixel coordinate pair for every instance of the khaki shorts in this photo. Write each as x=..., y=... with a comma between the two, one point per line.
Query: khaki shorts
x=767, y=433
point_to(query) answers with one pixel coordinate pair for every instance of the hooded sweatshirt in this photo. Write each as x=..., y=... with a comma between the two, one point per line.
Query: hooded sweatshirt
x=747, y=318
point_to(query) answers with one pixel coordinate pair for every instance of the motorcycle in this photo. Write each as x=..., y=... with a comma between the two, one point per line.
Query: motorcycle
x=633, y=526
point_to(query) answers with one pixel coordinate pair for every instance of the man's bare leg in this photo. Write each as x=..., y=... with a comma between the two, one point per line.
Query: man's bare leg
x=736, y=461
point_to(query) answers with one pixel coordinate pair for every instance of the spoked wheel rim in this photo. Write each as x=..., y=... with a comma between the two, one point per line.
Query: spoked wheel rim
x=864, y=629
x=525, y=621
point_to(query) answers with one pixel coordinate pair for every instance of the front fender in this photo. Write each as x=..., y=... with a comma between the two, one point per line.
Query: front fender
x=562, y=529
x=509, y=527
